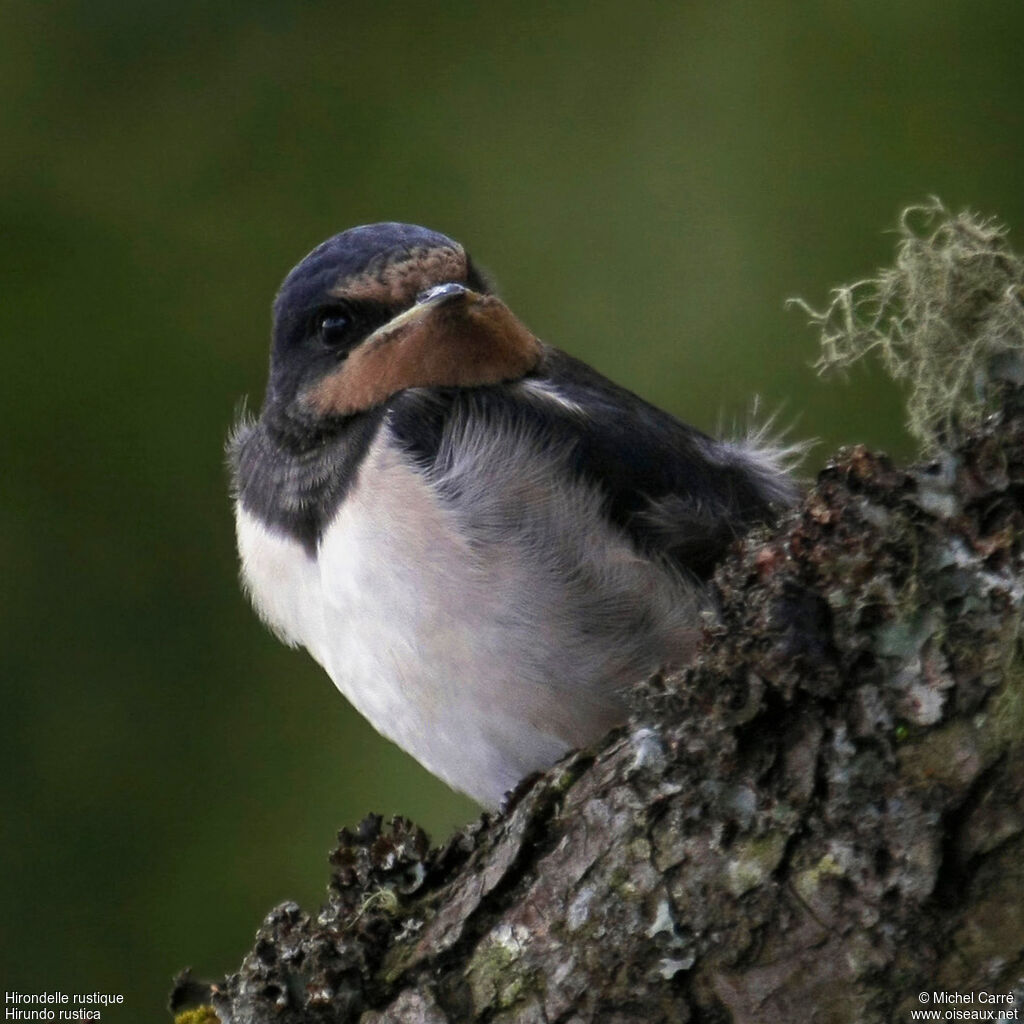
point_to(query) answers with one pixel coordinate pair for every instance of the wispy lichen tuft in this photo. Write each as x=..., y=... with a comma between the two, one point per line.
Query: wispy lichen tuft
x=948, y=318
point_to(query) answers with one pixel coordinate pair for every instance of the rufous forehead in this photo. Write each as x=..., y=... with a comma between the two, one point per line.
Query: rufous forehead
x=399, y=281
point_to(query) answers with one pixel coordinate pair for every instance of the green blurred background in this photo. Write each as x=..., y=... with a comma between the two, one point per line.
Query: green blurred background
x=647, y=182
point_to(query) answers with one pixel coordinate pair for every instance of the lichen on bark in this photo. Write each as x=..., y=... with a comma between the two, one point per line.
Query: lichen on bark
x=820, y=818
x=947, y=317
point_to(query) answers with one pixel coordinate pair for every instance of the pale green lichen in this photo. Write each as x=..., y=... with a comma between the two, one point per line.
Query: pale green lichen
x=948, y=319
x=384, y=900
x=494, y=978
x=754, y=861
x=199, y=1015
x=808, y=881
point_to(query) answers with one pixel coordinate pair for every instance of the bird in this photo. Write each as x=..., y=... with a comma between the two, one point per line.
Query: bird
x=483, y=541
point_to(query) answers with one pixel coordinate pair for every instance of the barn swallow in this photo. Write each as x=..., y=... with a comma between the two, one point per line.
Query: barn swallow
x=481, y=539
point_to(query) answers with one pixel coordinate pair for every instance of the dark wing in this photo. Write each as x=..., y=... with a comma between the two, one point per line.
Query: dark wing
x=672, y=488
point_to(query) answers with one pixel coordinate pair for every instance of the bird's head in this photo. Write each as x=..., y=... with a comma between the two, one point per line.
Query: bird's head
x=381, y=308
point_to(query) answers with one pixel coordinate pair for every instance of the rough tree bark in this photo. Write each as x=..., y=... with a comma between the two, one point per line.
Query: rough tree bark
x=819, y=820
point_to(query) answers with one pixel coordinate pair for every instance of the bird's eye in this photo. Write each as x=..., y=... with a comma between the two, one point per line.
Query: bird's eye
x=333, y=328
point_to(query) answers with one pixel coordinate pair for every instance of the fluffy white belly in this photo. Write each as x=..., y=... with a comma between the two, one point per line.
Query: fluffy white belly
x=478, y=653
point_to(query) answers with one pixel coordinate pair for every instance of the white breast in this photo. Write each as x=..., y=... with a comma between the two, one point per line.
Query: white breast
x=282, y=580
x=483, y=618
